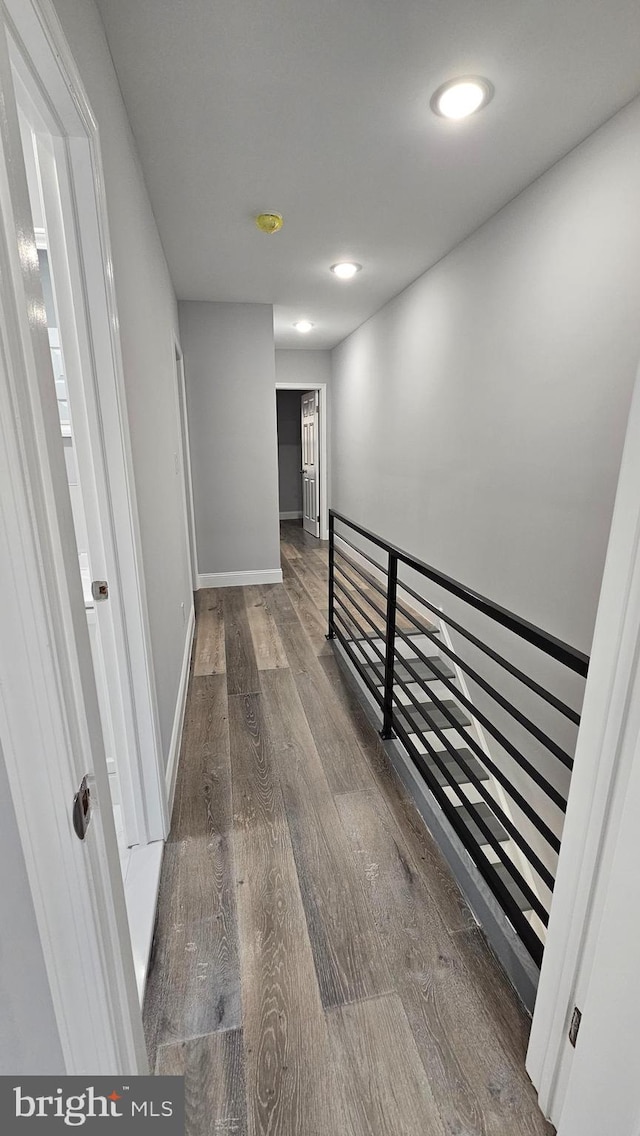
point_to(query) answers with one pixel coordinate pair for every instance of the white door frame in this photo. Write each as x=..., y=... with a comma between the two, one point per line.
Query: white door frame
x=49, y=719
x=606, y=750
x=184, y=459
x=46, y=67
x=322, y=446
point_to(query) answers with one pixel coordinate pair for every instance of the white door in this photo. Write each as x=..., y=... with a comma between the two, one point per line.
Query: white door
x=51, y=738
x=310, y=463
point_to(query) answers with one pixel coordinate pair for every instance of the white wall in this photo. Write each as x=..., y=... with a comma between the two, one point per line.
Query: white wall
x=148, y=316
x=289, y=451
x=308, y=368
x=478, y=422
x=29, y=1041
x=478, y=418
x=230, y=378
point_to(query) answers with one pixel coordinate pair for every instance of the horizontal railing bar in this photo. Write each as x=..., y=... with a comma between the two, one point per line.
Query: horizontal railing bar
x=542, y=828
x=344, y=642
x=484, y=758
x=353, y=602
x=350, y=623
x=359, y=590
x=491, y=838
x=517, y=797
x=496, y=657
x=515, y=713
x=361, y=552
x=368, y=598
x=363, y=573
x=530, y=769
x=523, y=928
x=572, y=658
x=522, y=761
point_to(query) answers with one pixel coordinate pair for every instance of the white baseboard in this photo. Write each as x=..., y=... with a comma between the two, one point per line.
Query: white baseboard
x=239, y=579
x=178, y=720
x=295, y=516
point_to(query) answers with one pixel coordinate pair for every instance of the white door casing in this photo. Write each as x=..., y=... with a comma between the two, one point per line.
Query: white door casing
x=309, y=410
x=49, y=716
x=49, y=83
x=590, y=958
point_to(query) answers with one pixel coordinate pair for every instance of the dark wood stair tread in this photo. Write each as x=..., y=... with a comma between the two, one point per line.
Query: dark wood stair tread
x=454, y=771
x=427, y=672
x=431, y=716
x=482, y=809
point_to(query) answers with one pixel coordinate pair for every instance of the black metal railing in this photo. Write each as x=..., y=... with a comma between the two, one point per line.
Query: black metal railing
x=377, y=617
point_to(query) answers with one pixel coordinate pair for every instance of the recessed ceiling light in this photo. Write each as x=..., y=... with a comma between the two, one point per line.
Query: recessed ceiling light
x=346, y=270
x=303, y=326
x=461, y=97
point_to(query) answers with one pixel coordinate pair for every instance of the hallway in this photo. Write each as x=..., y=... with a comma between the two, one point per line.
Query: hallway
x=315, y=969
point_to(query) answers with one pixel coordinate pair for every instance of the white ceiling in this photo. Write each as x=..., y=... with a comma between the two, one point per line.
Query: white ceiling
x=320, y=111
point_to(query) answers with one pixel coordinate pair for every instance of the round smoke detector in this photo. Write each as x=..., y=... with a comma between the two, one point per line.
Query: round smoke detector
x=269, y=222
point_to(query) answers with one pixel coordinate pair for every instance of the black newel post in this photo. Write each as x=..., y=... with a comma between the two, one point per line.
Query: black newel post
x=331, y=634
x=392, y=587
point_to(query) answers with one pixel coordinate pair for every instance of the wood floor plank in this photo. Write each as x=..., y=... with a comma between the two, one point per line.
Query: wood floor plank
x=214, y=1085
x=385, y=1084
x=344, y=763
x=479, y=1085
x=193, y=986
x=269, y=652
x=302, y=570
x=209, y=653
x=309, y=615
x=242, y=670
x=346, y=948
x=290, y=1078
x=202, y=802
x=437, y=876
x=256, y=794
x=504, y=1010
x=289, y=550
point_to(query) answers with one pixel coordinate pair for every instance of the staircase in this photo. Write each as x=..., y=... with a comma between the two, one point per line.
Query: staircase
x=398, y=644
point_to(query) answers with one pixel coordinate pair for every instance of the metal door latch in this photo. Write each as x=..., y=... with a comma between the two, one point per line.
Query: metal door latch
x=100, y=589
x=81, y=811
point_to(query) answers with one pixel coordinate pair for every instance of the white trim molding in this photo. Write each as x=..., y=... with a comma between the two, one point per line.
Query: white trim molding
x=296, y=515
x=239, y=579
x=178, y=719
x=605, y=753
x=323, y=439
x=47, y=71
x=49, y=715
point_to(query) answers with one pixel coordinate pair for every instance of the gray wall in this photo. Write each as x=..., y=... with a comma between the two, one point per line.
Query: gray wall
x=478, y=418
x=230, y=376
x=308, y=368
x=29, y=1041
x=148, y=316
x=289, y=451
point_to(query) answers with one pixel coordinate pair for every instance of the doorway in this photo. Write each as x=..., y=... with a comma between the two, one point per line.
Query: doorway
x=302, y=456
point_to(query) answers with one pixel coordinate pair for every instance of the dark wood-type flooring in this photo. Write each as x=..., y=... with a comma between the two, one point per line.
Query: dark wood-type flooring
x=315, y=969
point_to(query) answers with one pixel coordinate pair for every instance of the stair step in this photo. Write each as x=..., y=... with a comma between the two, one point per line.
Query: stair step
x=436, y=717
x=490, y=820
x=436, y=668
x=455, y=773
